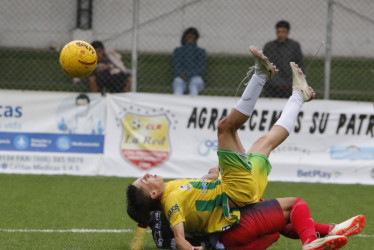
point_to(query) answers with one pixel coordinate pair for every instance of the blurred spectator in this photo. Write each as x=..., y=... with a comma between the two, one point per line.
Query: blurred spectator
x=189, y=62
x=110, y=74
x=281, y=52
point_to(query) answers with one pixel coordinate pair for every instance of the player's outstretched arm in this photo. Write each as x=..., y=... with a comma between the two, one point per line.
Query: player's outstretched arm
x=180, y=240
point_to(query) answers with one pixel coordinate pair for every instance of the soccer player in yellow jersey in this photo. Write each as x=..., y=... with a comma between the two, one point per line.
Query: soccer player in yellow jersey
x=207, y=206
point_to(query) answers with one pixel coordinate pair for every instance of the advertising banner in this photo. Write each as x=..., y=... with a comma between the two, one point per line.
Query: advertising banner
x=131, y=134
x=176, y=137
x=51, y=133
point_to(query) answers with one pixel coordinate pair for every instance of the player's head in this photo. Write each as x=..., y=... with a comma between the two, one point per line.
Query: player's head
x=151, y=185
x=143, y=196
x=190, y=35
x=282, y=30
x=99, y=48
x=136, y=206
x=82, y=103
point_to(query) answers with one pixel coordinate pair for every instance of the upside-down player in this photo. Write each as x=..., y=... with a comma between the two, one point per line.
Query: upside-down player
x=201, y=206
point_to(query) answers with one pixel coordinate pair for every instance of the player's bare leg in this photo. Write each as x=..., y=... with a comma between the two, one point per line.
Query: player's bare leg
x=227, y=128
x=283, y=127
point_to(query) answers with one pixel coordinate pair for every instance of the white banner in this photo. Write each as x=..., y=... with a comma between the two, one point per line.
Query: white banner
x=176, y=136
x=51, y=133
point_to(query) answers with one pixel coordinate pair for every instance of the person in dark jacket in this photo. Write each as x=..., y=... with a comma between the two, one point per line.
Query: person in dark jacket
x=189, y=63
x=281, y=52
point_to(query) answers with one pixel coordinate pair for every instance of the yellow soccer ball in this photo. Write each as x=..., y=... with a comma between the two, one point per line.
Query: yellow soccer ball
x=78, y=59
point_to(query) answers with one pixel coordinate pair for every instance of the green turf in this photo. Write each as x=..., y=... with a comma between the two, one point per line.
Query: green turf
x=67, y=202
x=351, y=79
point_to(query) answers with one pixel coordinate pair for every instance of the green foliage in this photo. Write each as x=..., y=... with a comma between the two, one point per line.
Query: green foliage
x=67, y=202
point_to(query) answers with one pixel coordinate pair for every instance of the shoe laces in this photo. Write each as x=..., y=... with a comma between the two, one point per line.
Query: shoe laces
x=318, y=235
x=257, y=64
x=332, y=226
x=249, y=73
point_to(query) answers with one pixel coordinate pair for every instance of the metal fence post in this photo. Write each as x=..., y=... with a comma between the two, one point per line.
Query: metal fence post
x=134, y=54
x=330, y=4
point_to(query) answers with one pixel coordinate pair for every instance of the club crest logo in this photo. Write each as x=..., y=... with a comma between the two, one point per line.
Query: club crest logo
x=145, y=141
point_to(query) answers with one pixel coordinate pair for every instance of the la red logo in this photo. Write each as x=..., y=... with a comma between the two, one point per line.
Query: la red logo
x=145, y=142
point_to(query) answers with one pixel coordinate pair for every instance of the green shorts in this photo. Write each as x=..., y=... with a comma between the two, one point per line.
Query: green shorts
x=244, y=176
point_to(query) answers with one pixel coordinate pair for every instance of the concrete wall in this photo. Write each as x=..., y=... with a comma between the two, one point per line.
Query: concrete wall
x=226, y=27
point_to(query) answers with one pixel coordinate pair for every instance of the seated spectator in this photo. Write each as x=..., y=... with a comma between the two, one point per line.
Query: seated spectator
x=110, y=74
x=189, y=62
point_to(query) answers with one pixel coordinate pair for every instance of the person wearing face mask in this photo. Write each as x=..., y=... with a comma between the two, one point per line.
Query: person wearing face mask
x=83, y=121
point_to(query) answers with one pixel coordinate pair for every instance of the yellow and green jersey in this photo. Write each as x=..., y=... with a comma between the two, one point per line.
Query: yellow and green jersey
x=203, y=204
x=200, y=204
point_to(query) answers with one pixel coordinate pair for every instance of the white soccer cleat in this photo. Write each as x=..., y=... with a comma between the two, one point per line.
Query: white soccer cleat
x=349, y=227
x=299, y=83
x=262, y=63
x=328, y=242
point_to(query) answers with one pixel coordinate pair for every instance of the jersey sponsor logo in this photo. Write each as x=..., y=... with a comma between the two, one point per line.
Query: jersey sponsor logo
x=172, y=210
x=145, y=142
x=185, y=187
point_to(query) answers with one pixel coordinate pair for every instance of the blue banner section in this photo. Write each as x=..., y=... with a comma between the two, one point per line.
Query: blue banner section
x=42, y=142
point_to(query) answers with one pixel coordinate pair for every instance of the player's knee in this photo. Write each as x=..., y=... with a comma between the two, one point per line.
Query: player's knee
x=287, y=203
x=225, y=125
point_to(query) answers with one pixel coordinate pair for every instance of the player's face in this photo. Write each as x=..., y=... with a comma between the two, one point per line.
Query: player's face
x=282, y=34
x=149, y=182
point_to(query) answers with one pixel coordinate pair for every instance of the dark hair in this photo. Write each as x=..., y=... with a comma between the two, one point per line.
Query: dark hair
x=139, y=205
x=82, y=96
x=283, y=24
x=97, y=45
x=190, y=30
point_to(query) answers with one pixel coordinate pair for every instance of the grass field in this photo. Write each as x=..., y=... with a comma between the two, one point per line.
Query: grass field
x=70, y=202
x=351, y=79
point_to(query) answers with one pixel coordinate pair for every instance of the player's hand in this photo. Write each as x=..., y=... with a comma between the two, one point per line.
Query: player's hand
x=210, y=176
x=213, y=174
x=214, y=170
